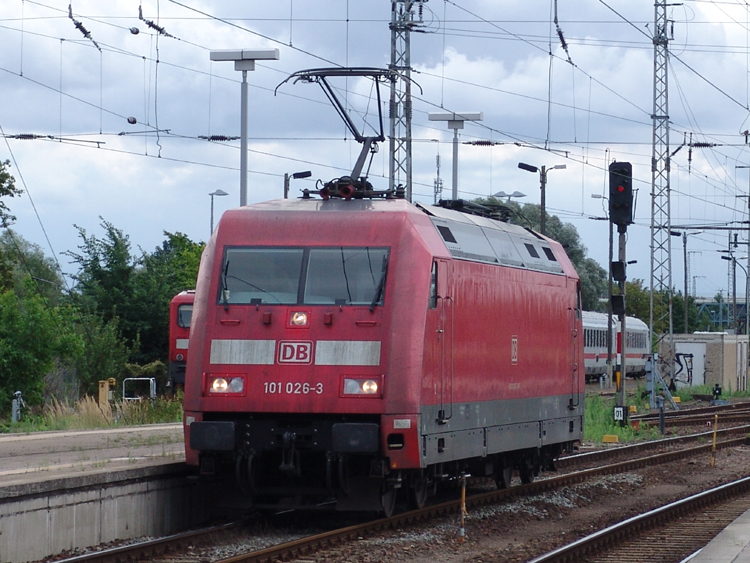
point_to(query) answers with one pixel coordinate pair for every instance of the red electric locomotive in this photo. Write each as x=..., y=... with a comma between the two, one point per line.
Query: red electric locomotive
x=346, y=348
x=180, y=312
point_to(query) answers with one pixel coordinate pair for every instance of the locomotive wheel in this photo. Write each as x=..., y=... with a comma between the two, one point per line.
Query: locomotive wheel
x=389, y=501
x=244, y=471
x=418, y=490
x=528, y=470
x=503, y=476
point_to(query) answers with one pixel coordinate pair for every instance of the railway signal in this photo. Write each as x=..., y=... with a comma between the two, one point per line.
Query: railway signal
x=620, y=214
x=621, y=194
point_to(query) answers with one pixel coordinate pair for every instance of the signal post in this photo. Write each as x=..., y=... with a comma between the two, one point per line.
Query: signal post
x=620, y=214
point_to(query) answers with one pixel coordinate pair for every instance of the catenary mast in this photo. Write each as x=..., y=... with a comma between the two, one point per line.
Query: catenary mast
x=402, y=22
x=660, y=315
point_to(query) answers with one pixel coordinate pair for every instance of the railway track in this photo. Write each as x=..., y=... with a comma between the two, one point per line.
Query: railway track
x=694, y=411
x=174, y=548
x=599, y=456
x=667, y=534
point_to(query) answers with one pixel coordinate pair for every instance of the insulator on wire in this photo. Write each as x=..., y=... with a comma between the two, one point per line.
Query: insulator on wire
x=79, y=26
x=156, y=27
x=217, y=138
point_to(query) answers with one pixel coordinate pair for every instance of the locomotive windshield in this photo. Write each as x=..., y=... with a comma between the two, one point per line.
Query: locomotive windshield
x=184, y=314
x=311, y=276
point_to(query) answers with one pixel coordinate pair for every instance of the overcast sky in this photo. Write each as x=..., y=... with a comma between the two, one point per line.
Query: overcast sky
x=582, y=108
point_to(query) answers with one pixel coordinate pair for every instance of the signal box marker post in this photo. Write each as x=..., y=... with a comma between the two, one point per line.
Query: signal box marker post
x=620, y=214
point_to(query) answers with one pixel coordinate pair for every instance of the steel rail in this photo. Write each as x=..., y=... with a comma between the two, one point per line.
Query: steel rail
x=601, y=455
x=617, y=533
x=147, y=549
x=694, y=411
x=308, y=545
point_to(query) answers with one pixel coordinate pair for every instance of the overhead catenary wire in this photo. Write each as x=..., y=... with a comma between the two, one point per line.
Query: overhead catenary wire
x=551, y=141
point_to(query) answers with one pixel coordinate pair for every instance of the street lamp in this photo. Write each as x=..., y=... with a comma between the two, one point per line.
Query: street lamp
x=685, y=260
x=514, y=194
x=455, y=121
x=244, y=60
x=543, y=180
x=212, y=194
x=296, y=176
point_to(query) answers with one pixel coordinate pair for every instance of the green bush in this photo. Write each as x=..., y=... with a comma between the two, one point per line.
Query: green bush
x=599, y=421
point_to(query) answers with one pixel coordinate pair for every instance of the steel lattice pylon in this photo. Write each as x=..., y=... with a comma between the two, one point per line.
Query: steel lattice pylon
x=399, y=109
x=660, y=315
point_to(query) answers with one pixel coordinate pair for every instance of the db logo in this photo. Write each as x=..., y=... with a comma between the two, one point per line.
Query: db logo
x=295, y=352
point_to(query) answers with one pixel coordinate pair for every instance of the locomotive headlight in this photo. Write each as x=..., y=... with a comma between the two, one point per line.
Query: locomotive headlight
x=227, y=385
x=299, y=318
x=219, y=385
x=360, y=386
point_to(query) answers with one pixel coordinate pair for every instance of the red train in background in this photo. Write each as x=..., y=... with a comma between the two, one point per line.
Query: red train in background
x=180, y=313
x=347, y=348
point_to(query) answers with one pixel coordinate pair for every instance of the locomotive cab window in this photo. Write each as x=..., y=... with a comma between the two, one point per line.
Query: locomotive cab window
x=184, y=314
x=310, y=276
x=346, y=276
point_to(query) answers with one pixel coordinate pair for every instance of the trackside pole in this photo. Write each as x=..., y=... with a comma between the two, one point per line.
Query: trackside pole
x=464, y=513
x=713, y=449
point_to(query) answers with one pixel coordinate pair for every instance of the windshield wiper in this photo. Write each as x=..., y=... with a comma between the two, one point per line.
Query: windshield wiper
x=224, y=287
x=381, y=284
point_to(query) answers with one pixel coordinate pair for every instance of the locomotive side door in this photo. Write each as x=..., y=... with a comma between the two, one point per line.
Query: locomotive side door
x=576, y=331
x=445, y=305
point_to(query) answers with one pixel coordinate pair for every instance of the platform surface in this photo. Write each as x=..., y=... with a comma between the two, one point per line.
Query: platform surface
x=731, y=546
x=40, y=456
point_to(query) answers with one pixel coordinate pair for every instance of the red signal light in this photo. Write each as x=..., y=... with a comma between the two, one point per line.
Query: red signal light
x=620, y=189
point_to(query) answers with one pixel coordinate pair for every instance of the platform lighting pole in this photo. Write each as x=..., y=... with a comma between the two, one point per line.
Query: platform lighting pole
x=455, y=121
x=218, y=192
x=244, y=60
x=514, y=194
x=543, y=185
x=735, y=263
x=687, y=275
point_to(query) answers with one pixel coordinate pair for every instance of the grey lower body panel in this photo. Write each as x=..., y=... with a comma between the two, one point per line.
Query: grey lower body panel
x=492, y=427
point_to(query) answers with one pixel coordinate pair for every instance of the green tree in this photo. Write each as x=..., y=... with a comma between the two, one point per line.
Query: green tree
x=7, y=189
x=33, y=336
x=21, y=260
x=637, y=300
x=104, y=352
x=106, y=268
x=171, y=268
x=113, y=284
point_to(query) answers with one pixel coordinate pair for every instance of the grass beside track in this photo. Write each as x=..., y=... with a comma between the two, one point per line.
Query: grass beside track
x=87, y=414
